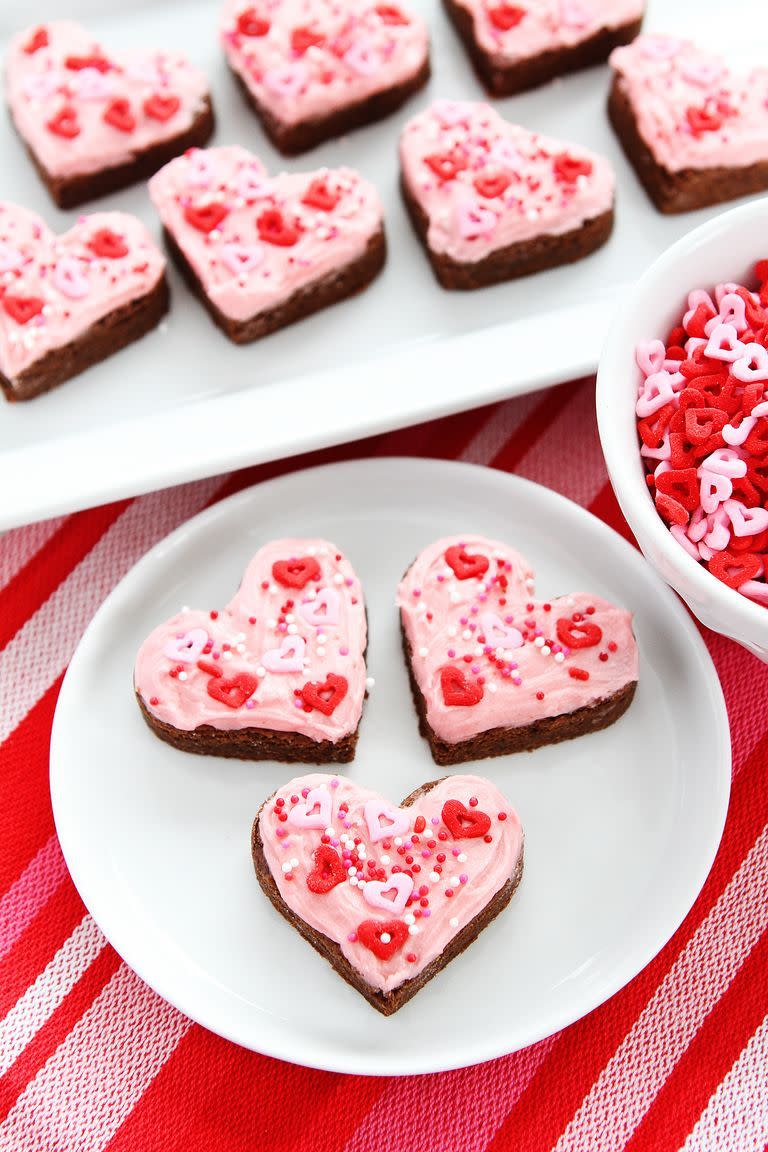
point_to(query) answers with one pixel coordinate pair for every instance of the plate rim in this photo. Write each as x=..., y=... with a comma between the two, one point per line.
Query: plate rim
x=625, y=971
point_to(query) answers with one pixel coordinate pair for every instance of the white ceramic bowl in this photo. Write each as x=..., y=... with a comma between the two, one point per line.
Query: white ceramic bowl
x=723, y=249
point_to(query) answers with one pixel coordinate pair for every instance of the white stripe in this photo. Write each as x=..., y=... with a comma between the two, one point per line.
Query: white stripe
x=87, y=1088
x=736, y=1116
x=40, y=650
x=30, y=893
x=42, y=998
x=629, y=1083
x=18, y=546
x=500, y=426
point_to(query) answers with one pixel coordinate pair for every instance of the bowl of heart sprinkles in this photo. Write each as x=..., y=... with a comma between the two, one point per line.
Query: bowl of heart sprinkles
x=682, y=404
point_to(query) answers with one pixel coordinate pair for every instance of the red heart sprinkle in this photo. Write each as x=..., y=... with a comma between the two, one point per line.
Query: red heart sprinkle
x=97, y=61
x=232, y=691
x=701, y=316
x=370, y=933
x=671, y=509
x=682, y=484
x=22, y=309
x=249, y=23
x=327, y=872
x=38, y=39
x=506, y=16
x=490, y=186
x=761, y=271
x=700, y=120
x=568, y=168
x=446, y=166
x=458, y=691
x=275, y=229
x=107, y=244
x=464, y=823
x=119, y=115
x=304, y=38
x=65, y=123
x=702, y=423
x=464, y=564
x=295, y=573
x=735, y=570
x=390, y=14
x=325, y=695
x=161, y=108
x=578, y=634
x=319, y=195
x=205, y=217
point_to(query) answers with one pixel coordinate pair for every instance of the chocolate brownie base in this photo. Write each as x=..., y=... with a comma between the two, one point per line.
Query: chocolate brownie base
x=70, y=191
x=291, y=139
x=520, y=259
x=507, y=79
x=330, y=289
x=384, y=1002
x=504, y=741
x=254, y=743
x=113, y=332
x=688, y=189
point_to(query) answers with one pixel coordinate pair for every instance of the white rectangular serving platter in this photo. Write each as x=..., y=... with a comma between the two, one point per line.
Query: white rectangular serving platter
x=185, y=403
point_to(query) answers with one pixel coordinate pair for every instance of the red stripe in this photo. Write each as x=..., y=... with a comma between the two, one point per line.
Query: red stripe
x=443, y=439
x=606, y=507
x=38, y=943
x=534, y=426
x=43, y=572
x=715, y=1048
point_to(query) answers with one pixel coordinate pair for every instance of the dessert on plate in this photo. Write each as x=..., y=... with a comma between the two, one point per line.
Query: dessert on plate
x=263, y=251
x=494, y=670
x=315, y=69
x=389, y=895
x=491, y=201
x=70, y=300
x=94, y=120
x=695, y=132
x=279, y=674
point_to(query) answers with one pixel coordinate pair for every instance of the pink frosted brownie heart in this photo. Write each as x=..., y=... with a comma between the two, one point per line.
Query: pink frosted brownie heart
x=94, y=121
x=69, y=301
x=315, y=69
x=494, y=671
x=695, y=132
x=389, y=895
x=263, y=251
x=518, y=46
x=277, y=674
x=491, y=201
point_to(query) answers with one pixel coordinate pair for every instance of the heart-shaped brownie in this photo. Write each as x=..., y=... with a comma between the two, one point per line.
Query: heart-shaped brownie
x=67, y=301
x=95, y=121
x=278, y=674
x=388, y=895
x=495, y=671
x=696, y=133
x=518, y=46
x=314, y=69
x=491, y=201
x=264, y=251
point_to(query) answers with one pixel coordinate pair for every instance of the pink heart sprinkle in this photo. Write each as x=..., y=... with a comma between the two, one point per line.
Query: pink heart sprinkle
x=289, y=657
x=187, y=648
x=397, y=821
x=323, y=610
x=375, y=891
x=304, y=815
x=724, y=343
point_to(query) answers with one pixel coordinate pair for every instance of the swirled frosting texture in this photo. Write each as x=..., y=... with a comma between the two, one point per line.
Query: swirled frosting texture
x=515, y=32
x=514, y=659
x=469, y=867
x=270, y=642
x=485, y=183
x=690, y=110
x=305, y=59
x=253, y=239
x=54, y=288
x=80, y=108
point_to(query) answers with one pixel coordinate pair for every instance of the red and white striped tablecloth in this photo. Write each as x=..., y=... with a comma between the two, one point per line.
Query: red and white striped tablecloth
x=92, y=1059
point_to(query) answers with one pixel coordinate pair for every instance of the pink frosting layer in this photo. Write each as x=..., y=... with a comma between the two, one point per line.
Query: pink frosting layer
x=544, y=25
x=56, y=287
x=311, y=57
x=40, y=86
x=518, y=665
x=485, y=183
x=433, y=903
x=282, y=647
x=690, y=109
x=241, y=268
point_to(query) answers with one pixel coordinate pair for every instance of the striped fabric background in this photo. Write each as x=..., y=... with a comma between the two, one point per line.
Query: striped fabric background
x=91, y=1059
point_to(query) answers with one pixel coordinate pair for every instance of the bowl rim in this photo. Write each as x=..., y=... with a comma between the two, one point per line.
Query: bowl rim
x=747, y=619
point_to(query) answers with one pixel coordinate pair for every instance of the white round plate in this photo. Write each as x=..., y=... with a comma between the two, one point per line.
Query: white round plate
x=621, y=826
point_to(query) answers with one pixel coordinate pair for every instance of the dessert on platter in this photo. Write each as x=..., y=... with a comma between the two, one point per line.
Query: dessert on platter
x=389, y=895
x=491, y=201
x=315, y=69
x=69, y=301
x=94, y=120
x=494, y=670
x=264, y=251
x=279, y=674
x=695, y=132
